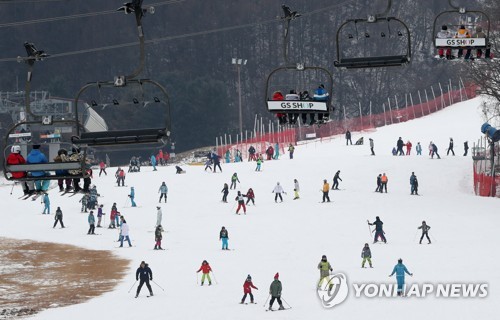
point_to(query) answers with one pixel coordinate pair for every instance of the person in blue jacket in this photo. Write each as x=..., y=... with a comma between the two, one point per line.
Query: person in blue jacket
x=153, y=162
x=36, y=156
x=91, y=220
x=144, y=274
x=46, y=202
x=132, y=196
x=400, y=270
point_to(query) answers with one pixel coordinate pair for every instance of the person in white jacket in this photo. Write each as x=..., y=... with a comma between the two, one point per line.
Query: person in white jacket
x=124, y=232
x=296, y=189
x=159, y=215
x=278, y=190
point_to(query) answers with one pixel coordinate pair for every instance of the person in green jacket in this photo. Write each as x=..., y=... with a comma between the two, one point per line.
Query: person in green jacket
x=324, y=269
x=234, y=179
x=259, y=163
x=275, y=292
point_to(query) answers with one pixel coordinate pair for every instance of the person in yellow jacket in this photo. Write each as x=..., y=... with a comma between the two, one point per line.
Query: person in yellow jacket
x=463, y=33
x=326, y=190
x=324, y=270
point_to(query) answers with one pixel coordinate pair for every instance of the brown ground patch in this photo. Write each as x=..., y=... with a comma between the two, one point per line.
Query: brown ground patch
x=40, y=275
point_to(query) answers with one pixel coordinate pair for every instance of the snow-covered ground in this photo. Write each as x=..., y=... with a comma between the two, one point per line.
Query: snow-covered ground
x=291, y=237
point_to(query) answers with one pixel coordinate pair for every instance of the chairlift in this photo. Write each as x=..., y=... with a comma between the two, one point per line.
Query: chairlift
x=349, y=37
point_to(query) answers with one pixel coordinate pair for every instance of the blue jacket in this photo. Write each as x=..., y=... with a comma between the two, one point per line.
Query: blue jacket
x=320, y=94
x=144, y=273
x=35, y=156
x=91, y=219
x=412, y=179
x=153, y=160
x=46, y=199
x=400, y=270
x=132, y=192
x=163, y=188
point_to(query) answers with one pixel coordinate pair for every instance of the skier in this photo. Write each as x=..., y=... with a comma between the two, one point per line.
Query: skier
x=241, y=202
x=158, y=237
x=77, y=157
x=58, y=217
x=205, y=269
x=114, y=217
x=326, y=190
x=132, y=196
x=276, y=151
x=450, y=147
x=46, y=202
x=324, y=270
x=247, y=289
x=99, y=216
x=291, y=150
x=400, y=270
x=336, y=179
x=224, y=237
x=91, y=220
x=275, y=292
x=251, y=152
x=216, y=160
x=413, y=179
x=145, y=275
x=425, y=232
x=163, y=191
x=227, y=156
x=259, y=163
x=93, y=198
x=296, y=189
x=383, y=183
x=444, y=34
x=153, y=162
x=15, y=157
x=234, y=179
x=36, y=156
x=408, y=147
x=366, y=254
x=159, y=215
x=400, y=145
x=225, y=192
x=435, y=151
x=379, y=230
x=120, y=177
x=250, y=196
x=372, y=145
x=418, y=148
x=379, y=183
x=62, y=156
x=278, y=190
x=348, y=138
x=466, y=148
x=102, y=167
x=270, y=152
x=124, y=232
x=208, y=165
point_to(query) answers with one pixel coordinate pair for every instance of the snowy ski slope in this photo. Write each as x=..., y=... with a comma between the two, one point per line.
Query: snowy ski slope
x=290, y=237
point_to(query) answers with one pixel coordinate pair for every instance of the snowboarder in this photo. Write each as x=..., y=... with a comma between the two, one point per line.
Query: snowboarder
x=383, y=183
x=158, y=237
x=450, y=147
x=348, y=138
x=326, y=190
x=379, y=183
x=99, y=216
x=163, y=192
x=336, y=179
x=324, y=270
x=247, y=289
x=400, y=145
x=372, y=145
x=296, y=189
x=278, y=190
x=124, y=232
x=241, y=202
x=58, y=217
x=425, y=232
x=250, y=196
x=379, y=230
x=291, y=150
x=132, y=196
x=366, y=254
x=400, y=270
x=234, y=179
x=91, y=220
x=466, y=148
x=159, y=215
x=259, y=163
x=275, y=292
x=435, y=151
x=413, y=181
x=418, y=148
x=46, y=202
x=224, y=237
x=145, y=275
x=225, y=192
x=178, y=170
x=205, y=269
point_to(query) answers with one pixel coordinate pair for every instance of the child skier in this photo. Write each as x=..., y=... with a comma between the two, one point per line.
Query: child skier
x=84, y=200
x=132, y=196
x=158, y=237
x=296, y=189
x=247, y=289
x=163, y=192
x=326, y=190
x=205, y=268
x=336, y=179
x=241, y=202
x=275, y=292
x=91, y=220
x=366, y=254
x=259, y=162
x=225, y=192
x=324, y=270
x=224, y=237
x=250, y=196
x=46, y=202
x=234, y=179
x=425, y=232
x=99, y=216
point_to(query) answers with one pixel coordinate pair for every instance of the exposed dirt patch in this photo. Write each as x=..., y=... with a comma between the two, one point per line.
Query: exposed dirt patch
x=40, y=275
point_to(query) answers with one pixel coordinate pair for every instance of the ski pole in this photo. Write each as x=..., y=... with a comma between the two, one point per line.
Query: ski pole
x=213, y=274
x=266, y=301
x=286, y=303
x=158, y=285
x=370, y=229
x=132, y=286
x=197, y=278
x=12, y=189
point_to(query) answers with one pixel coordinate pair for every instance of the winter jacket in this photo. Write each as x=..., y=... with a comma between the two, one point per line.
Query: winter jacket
x=434, y=148
x=275, y=288
x=205, y=268
x=324, y=268
x=153, y=160
x=16, y=158
x=408, y=145
x=366, y=253
x=418, y=148
x=163, y=189
x=91, y=219
x=99, y=212
x=235, y=178
x=348, y=135
x=278, y=96
x=36, y=156
x=75, y=156
x=400, y=270
x=158, y=235
x=371, y=143
x=132, y=193
x=46, y=199
x=59, y=214
x=250, y=194
x=240, y=199
x=337, y=177
x=102, y=165
x=296, y=186
x=144, y=274
x=291, y=149
x=251, y=150
x=444, y=34
x=224, y=234
x=159, y=216
x=425, y=228
x=379, y=180
x=462, y=34
x=292, y=97
x=247, y=286
x=384, y=178
x=400, y=143
x=278, y=189
x=225, y=190
x=378, y=225
x=326, y=187
x=124, y=229
x=320, y=94
x=412, y=179
x=270, y=151
x=84, y=200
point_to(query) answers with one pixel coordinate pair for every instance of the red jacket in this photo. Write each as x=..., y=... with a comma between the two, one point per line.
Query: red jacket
x=278, y=96
x=247, y=287
x=16, y=158
x=250, y=194
x=205, y=268
x=102, y=165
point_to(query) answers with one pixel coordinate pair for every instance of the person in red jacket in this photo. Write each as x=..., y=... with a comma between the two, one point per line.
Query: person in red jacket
x=408, y=148
x=205, y=268
x=278, y=96
x=250, y=196
x=270, y=152
x=15, y=157
x=247, y=289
